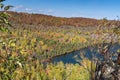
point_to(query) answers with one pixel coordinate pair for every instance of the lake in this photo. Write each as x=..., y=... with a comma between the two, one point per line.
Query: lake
x=88, y=52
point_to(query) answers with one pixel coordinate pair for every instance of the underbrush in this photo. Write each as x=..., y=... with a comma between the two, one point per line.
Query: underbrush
x=22, y=53
x=22, y=68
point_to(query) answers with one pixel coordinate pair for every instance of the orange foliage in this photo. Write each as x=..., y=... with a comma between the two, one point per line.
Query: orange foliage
x=47, y=20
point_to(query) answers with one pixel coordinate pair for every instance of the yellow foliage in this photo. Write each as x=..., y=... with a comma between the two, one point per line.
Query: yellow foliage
x=33, y=40
x=82, y=39
x=12, y=44
x=87, y=64
x=24, y=52
x=18, y=72
x=14, y=54
x=44, y=47
x=118, y=50
x=41, y=42
x=67, y=72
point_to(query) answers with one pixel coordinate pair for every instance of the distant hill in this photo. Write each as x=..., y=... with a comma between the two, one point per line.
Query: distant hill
x=47, y=20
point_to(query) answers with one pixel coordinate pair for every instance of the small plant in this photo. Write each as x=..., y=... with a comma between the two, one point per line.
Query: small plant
x=4, y=22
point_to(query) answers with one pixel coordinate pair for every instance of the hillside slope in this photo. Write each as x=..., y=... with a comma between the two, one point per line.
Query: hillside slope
x=47, y=20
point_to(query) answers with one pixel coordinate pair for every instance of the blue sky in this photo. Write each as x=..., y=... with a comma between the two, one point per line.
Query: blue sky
x=69, y=8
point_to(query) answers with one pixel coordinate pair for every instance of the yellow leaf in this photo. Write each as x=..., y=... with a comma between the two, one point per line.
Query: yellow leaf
x=41, y=42
x=44, y=47
x=12, y=44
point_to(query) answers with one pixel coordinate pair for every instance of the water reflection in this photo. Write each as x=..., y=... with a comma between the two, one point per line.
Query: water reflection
x=88, y=52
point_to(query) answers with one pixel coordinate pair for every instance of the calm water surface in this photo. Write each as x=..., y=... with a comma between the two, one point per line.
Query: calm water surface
x=76, y=55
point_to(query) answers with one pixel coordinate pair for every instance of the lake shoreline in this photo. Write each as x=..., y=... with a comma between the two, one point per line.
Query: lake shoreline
x=51, y=58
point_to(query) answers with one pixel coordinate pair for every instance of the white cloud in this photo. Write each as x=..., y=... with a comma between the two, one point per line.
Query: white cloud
x=17, y=8
x=50, y=11
x=21, y=8
x=41, y=10
x=28, y=9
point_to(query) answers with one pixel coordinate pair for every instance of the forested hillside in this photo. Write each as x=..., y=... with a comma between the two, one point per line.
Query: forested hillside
x=47, y=20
